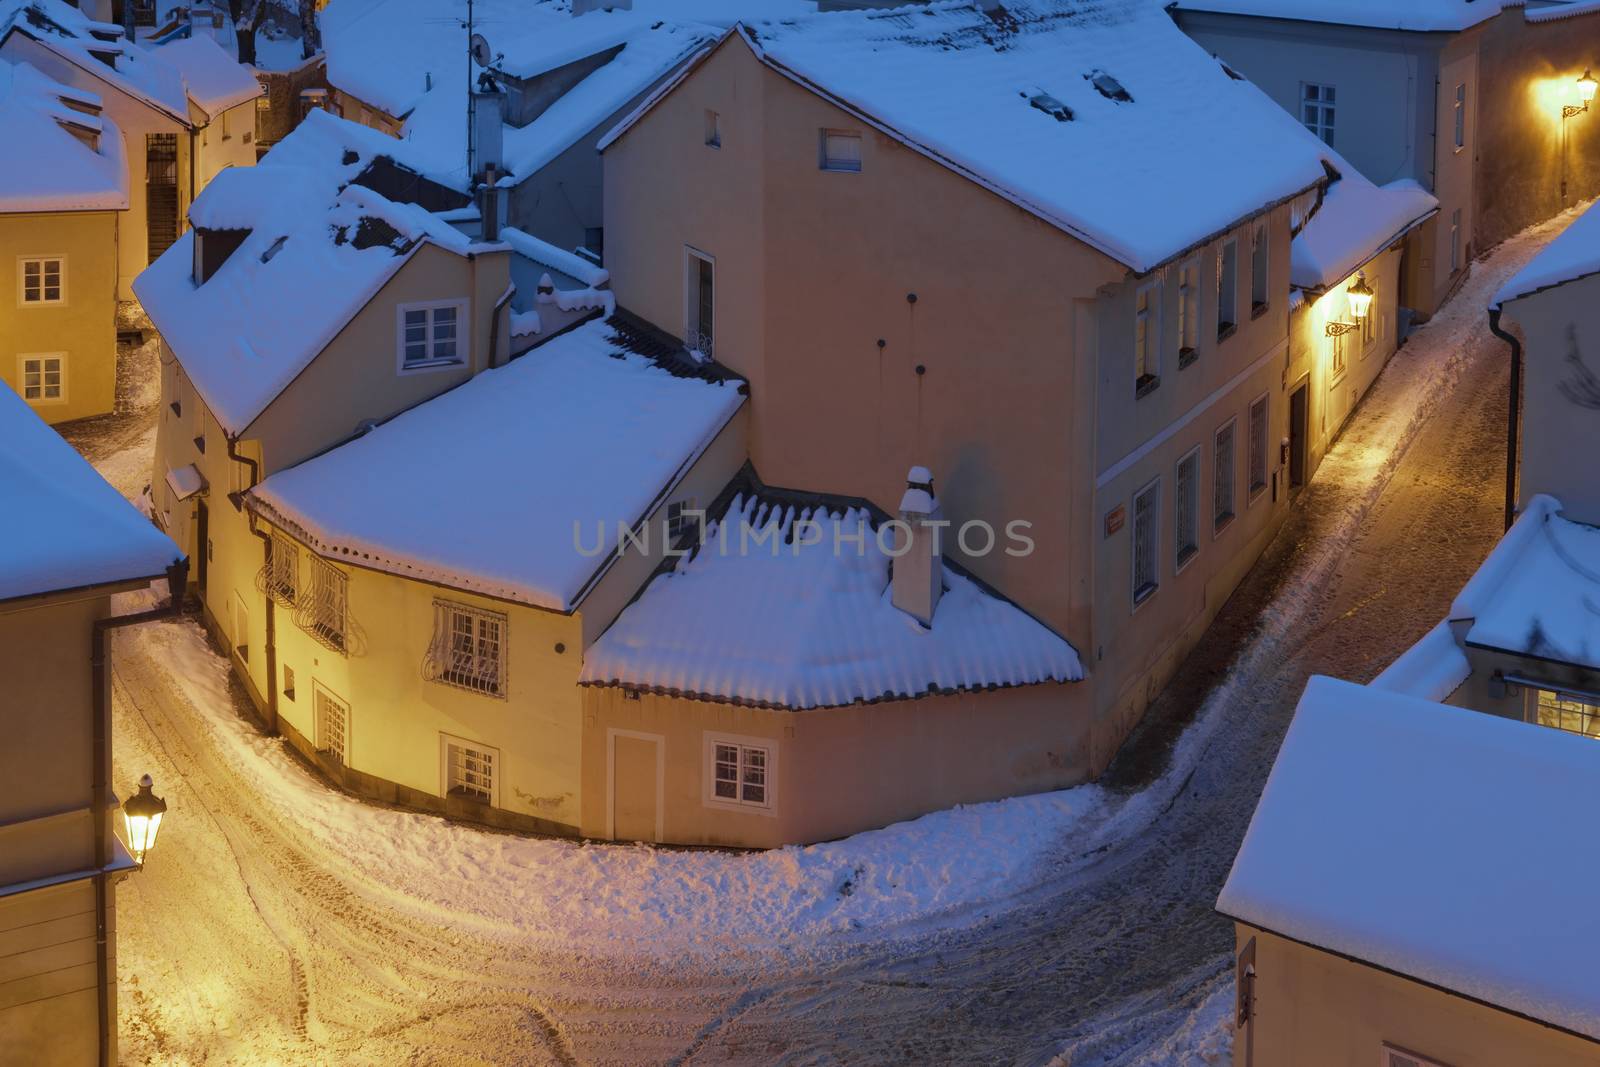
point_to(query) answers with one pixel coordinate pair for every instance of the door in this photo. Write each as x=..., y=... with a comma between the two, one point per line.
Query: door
x=202, y=544
x=161, y=191
x=1298, y=423
x=332, y=725
x=635, y=787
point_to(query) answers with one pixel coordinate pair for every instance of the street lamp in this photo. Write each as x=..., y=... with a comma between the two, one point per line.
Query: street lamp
x=1586, y=89
x=1360, y=297
x=142, y=814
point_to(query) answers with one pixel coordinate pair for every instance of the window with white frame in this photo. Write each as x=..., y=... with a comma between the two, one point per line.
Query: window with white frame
x=684, y=520
x=470, y=770
x=1461, y=115
x=1455, y=240
x=741, y=772
x=43, y=377
x=1259, y=245
x=432, y=335
x=469, y=648
x=285, y=571
x=841, y=150
x=332, y=726
x=713, y=129
x=323, y=614
x=1227, y=288
x=41, y=280
x=1396, y=1057
x=1258, y=446
x=1147, y=336
x=1146, y=563
x=1222, y=477
x=1317, y=104
x=1188, y=311
x=1186, y=509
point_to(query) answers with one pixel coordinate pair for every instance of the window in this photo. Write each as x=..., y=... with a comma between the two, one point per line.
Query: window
x=1341, y=358
x=1259, y=244
x=1146, y=535
x=288, y=682
x=1393, y=1057
x=700, y=315
x=470, y=769
x=42, y=280
x=1369, y=323
x=1258, y=446
x=1222, y=478
x=468, y=649
x=1461, y=117
x=225, y=133
x=1186, y=512
x=285, y=572
x=683, y=519
x=332, y=726
x=1455, y=240
x=430, y=334
x=713, y=129
x=740, y=773
x=841, y=150
x=1568, y=711
x=1188, y=312
x=1316, y=109
x=1147, y=338
x=43, y=377
x=1227, y=288
x=323, y=615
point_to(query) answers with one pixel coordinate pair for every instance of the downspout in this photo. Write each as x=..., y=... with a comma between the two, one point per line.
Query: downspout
x=1513, y=410
x=494, y=323
x=272, y=616
x=99, y=775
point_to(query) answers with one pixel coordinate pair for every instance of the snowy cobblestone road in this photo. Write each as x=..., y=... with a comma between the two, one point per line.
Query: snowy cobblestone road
x=250, y=939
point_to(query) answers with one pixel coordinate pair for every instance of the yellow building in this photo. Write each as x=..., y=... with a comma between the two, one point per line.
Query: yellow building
x=58, y=226
x=1393, y=895
x=69, y=542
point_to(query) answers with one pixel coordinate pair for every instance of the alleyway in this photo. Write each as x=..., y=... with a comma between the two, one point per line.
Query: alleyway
x=248, y=939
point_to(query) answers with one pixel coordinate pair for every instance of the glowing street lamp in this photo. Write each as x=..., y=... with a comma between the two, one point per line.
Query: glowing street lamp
x=1586, y=90
x=1360, y=297
x=142, y=814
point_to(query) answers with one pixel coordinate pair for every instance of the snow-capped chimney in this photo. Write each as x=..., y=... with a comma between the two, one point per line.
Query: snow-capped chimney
x=919, y=570
x=488, y=127
x=583, y=7
x=491, y=204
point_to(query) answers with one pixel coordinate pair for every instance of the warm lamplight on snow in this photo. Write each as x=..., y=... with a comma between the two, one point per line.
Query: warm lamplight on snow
x=142, y=814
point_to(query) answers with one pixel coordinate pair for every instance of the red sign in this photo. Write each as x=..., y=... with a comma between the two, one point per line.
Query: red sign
x=1115, y=518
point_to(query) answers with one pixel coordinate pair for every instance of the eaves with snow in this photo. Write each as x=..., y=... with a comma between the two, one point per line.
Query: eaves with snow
x=73, y=153
x=1574, y=254
x=1355, y=221
x=1100, y=117
x=1423, y=16
x=1369, y=783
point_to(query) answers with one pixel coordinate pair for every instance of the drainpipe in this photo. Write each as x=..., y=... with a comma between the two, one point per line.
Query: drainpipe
x=272, y=616
x=494, y=323
x=99, y=775
x=1512, y=411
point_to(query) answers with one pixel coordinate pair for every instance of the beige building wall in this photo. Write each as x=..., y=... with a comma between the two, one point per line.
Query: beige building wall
x=49, y=1003
x=831, y=771
x=1317, y=1009
x=1452, y=230
x=224, y=140
x=82, y=328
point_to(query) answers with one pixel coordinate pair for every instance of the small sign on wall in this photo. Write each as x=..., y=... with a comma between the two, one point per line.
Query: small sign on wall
x=1115, y=518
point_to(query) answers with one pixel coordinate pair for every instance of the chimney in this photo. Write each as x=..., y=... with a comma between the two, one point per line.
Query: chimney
x=583, y=7
x=488, y=127
x=491, y=204
x=919, y=569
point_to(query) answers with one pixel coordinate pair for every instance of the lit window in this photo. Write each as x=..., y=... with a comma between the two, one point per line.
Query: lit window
x=1186, y=514
x=1227, y=288
x=740, y=773
x=43, y=378
x=470, y=769
x=42, y=280
x=1316, y=109
x=1258, y=446
x=332, y=726
x=468, y=649
x=1222, y=478
x=1188, y=311
x=1147, y=337
x=430, y=335
x=841, y=150
x=1569, y=712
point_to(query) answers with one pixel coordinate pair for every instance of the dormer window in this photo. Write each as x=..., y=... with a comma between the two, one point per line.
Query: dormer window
x=1108, y=87
x=1043, y=101
x=431, y=335
x=212, y=249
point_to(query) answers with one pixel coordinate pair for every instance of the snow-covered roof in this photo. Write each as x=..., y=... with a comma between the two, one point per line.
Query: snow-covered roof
x=65, y=527
x=1421, y=15
x=72, y=35
x=598, y=432
x=62, y=173
x=215, y=80
x=1404, y=833
x=1574, y=254
x=776, y=612
x=1538, y=591
x=1099, y=116
x=1356, y=221
x=305, y=268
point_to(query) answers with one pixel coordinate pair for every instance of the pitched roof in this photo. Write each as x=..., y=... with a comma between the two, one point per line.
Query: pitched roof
x=1356, y=221
x=62, y=173
x=1420, y=15
x=1099, y=116
x=65, y=527
x=302, y=272
x=1411, y=835
x=76, y=38
x=214, y=79
x=786, y=604
x=1574, y=254
x=599, y=433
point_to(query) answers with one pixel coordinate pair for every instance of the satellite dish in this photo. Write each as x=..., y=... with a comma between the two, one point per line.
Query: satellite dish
x=480, y=50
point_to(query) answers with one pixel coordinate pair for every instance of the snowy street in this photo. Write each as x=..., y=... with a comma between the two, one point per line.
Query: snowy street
x=280, y=921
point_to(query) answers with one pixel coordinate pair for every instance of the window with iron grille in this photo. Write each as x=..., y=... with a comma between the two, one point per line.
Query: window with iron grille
x=333, y=726
x=1146, y=538
x=1258, y=446
x=43, y=280
x=1186, y=509
x=470, y=769
x=1222, y=484
x=323, y=613
x=468, y=648
x=739, y=773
